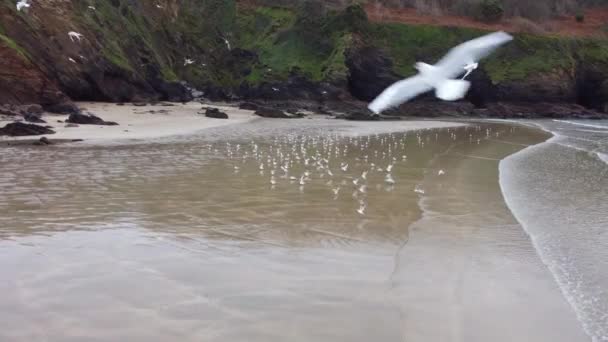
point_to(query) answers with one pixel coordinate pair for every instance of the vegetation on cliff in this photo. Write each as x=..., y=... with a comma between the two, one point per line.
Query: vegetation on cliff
x=134, y=49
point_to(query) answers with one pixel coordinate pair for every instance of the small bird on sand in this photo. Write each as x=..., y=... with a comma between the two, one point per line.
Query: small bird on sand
x=362, y=207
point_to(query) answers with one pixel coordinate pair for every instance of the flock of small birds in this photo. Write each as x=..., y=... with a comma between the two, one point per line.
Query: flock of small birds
x=341, y=164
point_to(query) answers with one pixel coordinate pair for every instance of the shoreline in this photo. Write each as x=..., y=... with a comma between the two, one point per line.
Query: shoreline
x=533, y=239
x=577, y=283
x=474, y=243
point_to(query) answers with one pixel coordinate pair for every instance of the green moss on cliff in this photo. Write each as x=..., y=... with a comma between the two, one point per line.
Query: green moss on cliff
x=307, y=38
x=286, y=40
x=530, y=55
x=13, y=45
x=527, y=55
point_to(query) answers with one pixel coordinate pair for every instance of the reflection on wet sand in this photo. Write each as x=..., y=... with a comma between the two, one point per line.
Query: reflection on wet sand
x=270, y=232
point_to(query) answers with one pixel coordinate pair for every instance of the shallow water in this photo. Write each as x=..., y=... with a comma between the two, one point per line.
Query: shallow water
x=558, y=190
x=209, y=238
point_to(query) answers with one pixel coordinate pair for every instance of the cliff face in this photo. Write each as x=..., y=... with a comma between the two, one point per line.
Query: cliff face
x=132, y=50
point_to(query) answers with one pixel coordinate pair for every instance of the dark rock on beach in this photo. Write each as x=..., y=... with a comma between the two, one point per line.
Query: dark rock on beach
x=88, y=119
x=249, y=106
x=9, y=110
x=34, y=109
x=538, y=110
x=17, y=129
x=33, y=118
x=360, y=115
x=266, y=112
x=66, y=107
x=215, y=113
x=43, y=142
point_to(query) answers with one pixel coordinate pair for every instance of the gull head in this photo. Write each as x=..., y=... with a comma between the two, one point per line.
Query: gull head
x=471, y=66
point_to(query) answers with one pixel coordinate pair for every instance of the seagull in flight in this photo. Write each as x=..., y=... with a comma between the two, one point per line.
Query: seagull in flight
x=76, y=35
x=22, y=4
x=440, y=77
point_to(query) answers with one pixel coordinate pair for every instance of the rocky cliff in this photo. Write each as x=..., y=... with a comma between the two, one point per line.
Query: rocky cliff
x=136, y=50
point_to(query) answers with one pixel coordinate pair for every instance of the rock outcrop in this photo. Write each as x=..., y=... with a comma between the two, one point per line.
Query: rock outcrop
x=266, y=112
x=88, y=119
x=215, y=113
x=18, y=129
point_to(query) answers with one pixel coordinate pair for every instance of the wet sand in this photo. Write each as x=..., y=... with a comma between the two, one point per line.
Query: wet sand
x=206, y=237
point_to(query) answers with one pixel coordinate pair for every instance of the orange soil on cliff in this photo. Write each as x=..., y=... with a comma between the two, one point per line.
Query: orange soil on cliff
x=596, y=20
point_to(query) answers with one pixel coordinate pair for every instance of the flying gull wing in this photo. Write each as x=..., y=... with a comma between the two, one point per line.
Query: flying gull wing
x=452, y=64
x=399, y=93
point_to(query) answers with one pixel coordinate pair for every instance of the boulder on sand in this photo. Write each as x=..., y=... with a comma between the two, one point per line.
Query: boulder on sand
x=66, y=107
x=18, y=129
x=35, y=109
x=271, y=113
x=361, y=115
x=215, y=113
x=43, y=142
x=249, y=106
x=88, y=119
x=8, y=110
x=34, y=118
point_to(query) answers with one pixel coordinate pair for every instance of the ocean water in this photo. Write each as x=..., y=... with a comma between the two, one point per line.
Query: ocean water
x=277, y=230
x=558, y=190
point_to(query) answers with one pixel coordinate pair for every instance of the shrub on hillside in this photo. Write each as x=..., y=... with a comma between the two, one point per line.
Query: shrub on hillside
x=490, y=11
x=580, y=16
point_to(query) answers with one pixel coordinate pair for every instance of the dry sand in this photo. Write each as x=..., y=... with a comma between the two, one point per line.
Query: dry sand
x=137, y=122
x=157, y=121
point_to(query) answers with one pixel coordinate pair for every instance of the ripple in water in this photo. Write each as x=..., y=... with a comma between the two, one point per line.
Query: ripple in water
x=558, y=192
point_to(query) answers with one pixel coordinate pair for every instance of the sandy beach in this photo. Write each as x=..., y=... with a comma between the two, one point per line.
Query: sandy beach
x=139, y=123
